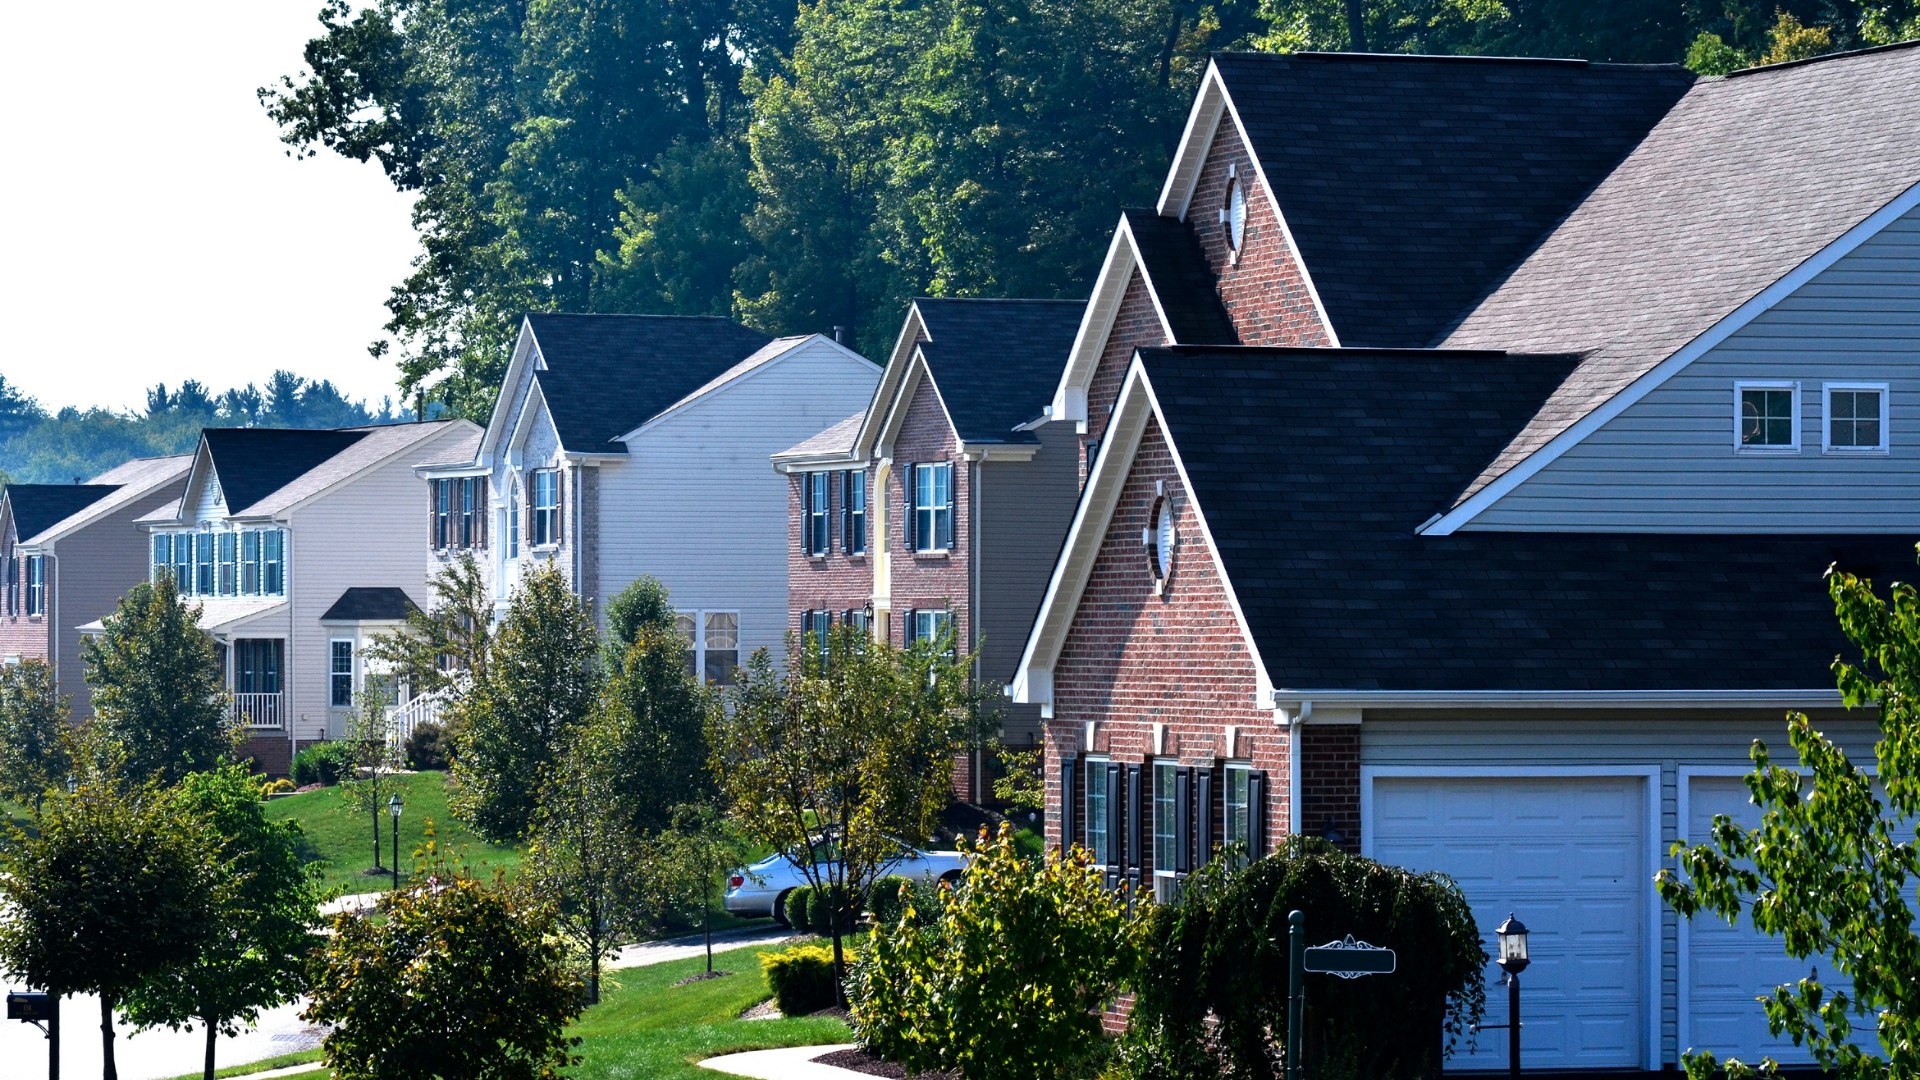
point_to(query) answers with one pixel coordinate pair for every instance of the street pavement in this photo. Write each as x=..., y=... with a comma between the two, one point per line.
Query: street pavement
x=791, y=1063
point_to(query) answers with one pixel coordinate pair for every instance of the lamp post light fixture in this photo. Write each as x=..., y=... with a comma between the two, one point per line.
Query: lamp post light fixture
x=393, y=807
x=1512, y=935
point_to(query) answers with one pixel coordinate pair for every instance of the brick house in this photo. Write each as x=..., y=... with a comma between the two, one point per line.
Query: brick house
x=1492, y=534
x=68, y=552
x=941, y=505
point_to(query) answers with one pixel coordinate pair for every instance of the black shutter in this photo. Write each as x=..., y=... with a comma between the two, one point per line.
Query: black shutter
x=1069, y=770
x=1256, y=814
x=953, y=483
x=1086, y=794
x=1183, y=820
x=807, y=480
x=1203, y=820
x=1136, y=853
x=1116, y=815
x=909, y=491
x=846, y=511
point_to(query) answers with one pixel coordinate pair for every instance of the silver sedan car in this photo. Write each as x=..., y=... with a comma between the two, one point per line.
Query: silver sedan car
x=761, y=890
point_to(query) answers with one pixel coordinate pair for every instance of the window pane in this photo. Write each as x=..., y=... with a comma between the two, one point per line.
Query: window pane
x=1097, y=811
x=1163, y=816
x=1766, y=417
x=683, y=622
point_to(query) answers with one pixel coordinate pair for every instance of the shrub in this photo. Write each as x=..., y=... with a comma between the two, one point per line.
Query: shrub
x=888, y=899
x=827, y=906
x=1212, y=995
x=323, y=763
x=801, y=978
x=427, y=747
x=1007, y=977
x=799, y=905
x=278, y=786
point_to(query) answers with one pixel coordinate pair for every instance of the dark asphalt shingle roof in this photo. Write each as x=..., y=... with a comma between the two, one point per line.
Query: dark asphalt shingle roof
x=608, y=374
x=1412, y=185
x=996, y=362
x=1177, y=273
x=1314, y=467
x=38, y=507
x=253, y=463
x=362, y=604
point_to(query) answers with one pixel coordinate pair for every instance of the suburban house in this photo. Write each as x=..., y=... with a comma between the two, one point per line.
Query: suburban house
x=1489, y=533
x=68, y=552
x=294, y=546
x=941, y=506
x=623, y=446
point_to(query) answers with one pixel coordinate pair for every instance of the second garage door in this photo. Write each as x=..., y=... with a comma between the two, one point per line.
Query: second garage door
x=1570, y=857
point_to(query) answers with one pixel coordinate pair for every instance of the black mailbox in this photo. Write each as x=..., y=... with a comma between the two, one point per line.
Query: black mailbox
x=33, y=1008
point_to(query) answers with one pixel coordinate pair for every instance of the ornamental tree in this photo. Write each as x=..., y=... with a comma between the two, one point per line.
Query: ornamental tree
x=263, y=913
x=1832, y=867
x=159, y=694
x=33, y=732
x=450, y=636
x=452, y=980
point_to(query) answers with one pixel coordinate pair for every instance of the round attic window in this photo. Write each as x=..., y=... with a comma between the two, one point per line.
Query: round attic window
x=1236, y=213
x=1160, y=552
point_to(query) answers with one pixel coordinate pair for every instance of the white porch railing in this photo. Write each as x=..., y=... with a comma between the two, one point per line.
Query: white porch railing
x=259, y=712
x=424, y=709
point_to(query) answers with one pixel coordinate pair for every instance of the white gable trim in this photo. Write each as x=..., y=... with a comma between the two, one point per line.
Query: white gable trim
x=1176, y=195
x=196, y=479
x=835, y=349
x=1096, y=325
x=915, y=373
x=536, y=403
x=1033, y=679
x=1446, y=523
x=525, y=348
x=885, y=392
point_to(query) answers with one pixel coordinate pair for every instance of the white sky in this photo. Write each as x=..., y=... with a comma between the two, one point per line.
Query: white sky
x=152, y=228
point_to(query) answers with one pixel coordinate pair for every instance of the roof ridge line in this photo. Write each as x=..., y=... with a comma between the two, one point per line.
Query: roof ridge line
x=1822, y=58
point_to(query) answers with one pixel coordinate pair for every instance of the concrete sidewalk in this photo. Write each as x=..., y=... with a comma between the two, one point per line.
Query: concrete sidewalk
x=647, y=953
x=791, y=1063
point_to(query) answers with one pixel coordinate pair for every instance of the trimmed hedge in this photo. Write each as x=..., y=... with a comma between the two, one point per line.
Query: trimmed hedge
x=825, y=906
x=801, y=978
x=888, y=898
x=798, y=907
x=322, y=763
x=427, y=748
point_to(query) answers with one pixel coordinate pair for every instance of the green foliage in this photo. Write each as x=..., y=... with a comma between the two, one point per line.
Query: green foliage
x=108, y=891
x=322, y=763
x=687, y=865
x=451, y=635
x=453, y=980
x=1020, y=784
x=159, y=694
x=539, y=686
x=798, y=908
x=801, y=978
x=642, y=607
x=1708, y=55
x=262, y=904
x=427, y=747
x=1830, y=869
x=828, y=910
x=654, y=710
x=888, y=899
x=33, y=728
x=1008, y=977
x=1212, y=997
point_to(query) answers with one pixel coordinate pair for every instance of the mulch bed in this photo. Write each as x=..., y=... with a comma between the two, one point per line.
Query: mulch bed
x=862, y=1062
x=703, y=977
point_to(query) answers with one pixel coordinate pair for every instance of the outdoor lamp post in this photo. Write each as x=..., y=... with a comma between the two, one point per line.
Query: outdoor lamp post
x=394, y=807
x=1513, y=961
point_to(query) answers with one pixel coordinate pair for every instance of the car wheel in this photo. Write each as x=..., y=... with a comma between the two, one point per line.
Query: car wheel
x=780, y=909
x=950, y=878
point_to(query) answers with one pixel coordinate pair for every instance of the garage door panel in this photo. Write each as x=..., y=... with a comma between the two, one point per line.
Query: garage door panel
x=1569, y=856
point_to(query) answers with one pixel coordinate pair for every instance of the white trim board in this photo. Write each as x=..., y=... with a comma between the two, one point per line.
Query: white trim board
x=1651, y=836
x=1447, y=523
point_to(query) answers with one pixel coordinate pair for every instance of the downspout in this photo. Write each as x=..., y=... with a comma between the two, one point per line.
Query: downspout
x=286, y=663
x=1295, y=774
x=976, y=489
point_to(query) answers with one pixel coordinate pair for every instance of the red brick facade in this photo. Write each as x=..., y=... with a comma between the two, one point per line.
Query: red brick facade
x=1135, y=326
x=21, y=636
x=928, y=580
x=834, y=580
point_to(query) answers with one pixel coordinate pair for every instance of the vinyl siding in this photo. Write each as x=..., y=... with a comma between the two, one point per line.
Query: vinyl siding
x=696, y=503
x=1024, y=509
x=1667, y=463
x=207, y=502
x=1459, y=741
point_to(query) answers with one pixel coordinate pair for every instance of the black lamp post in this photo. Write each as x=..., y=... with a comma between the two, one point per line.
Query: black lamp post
x=1513, y=961
x=393, y=807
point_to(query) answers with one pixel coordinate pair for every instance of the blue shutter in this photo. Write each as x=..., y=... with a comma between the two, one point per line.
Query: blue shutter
x=945, y=539
x=1203, y=819
x=1069, y=770
x=1135, y=855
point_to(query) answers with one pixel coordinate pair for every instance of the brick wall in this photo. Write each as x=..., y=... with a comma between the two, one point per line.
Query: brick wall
x=928, y=580
x=1264, y=291
x=1135, y=326
x=20, y=636
x=834, y=581
x=1330, y=783
x=1133, y=659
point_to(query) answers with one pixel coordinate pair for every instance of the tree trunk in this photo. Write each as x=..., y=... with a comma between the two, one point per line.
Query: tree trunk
x=107, y=1070
x=1356, y=26
x=213, y=1038
x=706, y=929
x=373, y=799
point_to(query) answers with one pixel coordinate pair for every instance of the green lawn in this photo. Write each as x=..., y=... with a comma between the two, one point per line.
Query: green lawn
x=339, y=838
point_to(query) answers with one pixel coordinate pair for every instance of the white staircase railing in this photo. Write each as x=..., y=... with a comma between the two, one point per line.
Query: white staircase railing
x=424, y=709
x=259, y=712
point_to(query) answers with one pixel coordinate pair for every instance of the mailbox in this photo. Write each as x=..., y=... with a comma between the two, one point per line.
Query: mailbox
x=33, y=1008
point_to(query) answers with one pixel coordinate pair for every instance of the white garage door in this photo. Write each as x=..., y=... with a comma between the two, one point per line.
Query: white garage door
x=1569, y=857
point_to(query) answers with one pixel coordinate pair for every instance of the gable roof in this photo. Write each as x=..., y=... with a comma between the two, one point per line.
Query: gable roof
x=1312, y=467
x=130, y=481
x=38, y=507
x=1183, y=286
x=1411, y=184
x=375, y=445
x=839, y=442
x=606, y=375
x=253, y=463
x=1748, y=178
x=996, y=361
x=364, y=604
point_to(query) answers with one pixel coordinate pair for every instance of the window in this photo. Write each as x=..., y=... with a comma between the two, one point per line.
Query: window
x=13, y=585
x=36, y=585
x=932, y=499
x=856, y=618
x=1099, y=844
x=1767, y=416
x=256, y=665
x=183, y=562
x=929, y=624
x=227, y=562
x=546, y=507
x=1237, y=801
x=816, y=629
x=720, y=647
x=465, y=493
x=250, y=563
x=814, y=489
x=442, y=514
x=1856, y=417
x=1234, y=214
x=340, y=673
x=853, y=511
x=203, y=564
x=273, y=562
x=689, y=627
x=1165, y=828
x=513, y=517
x=162, y=556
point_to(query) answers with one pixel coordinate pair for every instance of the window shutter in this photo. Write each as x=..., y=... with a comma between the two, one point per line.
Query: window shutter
x=433, y=514
x=559, y=505
x=1183, y=820
x=1203, y=819
x=806, y=514
x=1256, y=814
x=1135, y=858
x=1069, y=769
x=910, y=495
x=953, y=483
x=1116, y=814
x=1086, y=793
x=846, y=511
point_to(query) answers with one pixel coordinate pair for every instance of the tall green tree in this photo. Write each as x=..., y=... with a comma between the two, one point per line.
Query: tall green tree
x=542, y=676
x=33, y=732
x=159, y=695
x=263, y=916
x=447, y=638
x=109, y=890
x=1831, y=868
x=842, y=753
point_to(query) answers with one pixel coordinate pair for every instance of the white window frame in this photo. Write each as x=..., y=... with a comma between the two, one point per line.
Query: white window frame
x=927, y=536
x=549, y=513
x=513, y=517
x=815, y=490
x=1095, y=766
x=281, y=562
x=205, y=564
x=1826, y=417
x=183, y=562
x=1166, y=828
x=226, y=563
x=938, y=621
x=250, y=563
x=1740, y=387
x=853, y=494
x=334, y=673
x=35, y=573
x=694, y=625
x=1245, y=803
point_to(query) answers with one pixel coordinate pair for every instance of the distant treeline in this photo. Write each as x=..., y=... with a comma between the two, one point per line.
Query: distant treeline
x=41, y=447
